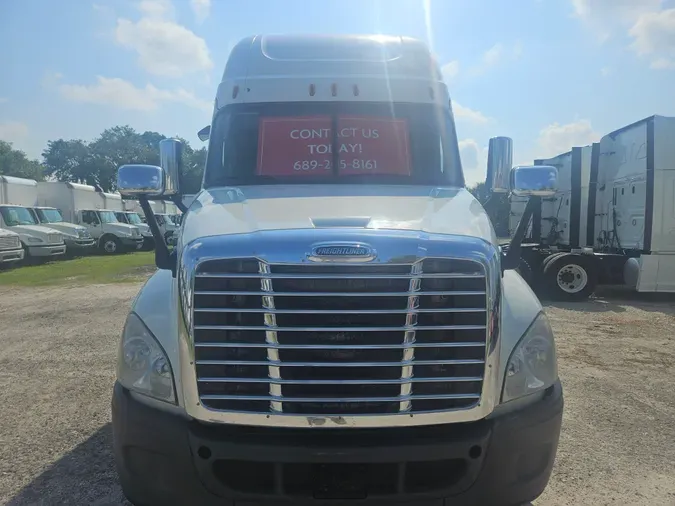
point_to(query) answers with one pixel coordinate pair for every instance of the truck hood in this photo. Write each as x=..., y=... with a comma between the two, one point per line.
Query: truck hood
x=122, y=228
x=240, y=210
x=36, y=231
x=69, y=229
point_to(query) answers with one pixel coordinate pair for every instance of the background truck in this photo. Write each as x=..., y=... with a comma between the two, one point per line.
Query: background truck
x=337, y=323
x=612, y=220
x=85, y=206
x=133, y=218
x=25, y=192
x=17, y=195
x=11, y=250
x=161, y=210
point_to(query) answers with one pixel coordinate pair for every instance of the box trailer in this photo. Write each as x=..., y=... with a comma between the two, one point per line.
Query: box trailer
x=619, y=225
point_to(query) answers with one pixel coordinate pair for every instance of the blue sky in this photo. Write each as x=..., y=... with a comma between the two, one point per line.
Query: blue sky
x=549, y=73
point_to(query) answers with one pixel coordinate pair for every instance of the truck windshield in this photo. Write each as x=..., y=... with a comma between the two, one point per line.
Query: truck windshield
x=121, y=217
x=134, y=219
x=15, y=215
x=107, y=217
x=328, y=143
x=49, y=215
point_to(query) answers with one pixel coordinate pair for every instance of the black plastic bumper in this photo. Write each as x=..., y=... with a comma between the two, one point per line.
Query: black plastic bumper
x=167, y=460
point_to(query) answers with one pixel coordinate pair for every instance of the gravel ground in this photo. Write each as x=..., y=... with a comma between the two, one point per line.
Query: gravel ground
x=57, y=355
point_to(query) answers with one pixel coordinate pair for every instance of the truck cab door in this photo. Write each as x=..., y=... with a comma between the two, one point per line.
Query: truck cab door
x=90, y=220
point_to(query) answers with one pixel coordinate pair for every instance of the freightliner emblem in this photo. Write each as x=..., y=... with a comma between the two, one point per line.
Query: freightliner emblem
x=342, y=252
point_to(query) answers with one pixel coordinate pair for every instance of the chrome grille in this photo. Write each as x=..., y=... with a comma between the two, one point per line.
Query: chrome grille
x=54, y=238
x=9, y=242
x=339, y=340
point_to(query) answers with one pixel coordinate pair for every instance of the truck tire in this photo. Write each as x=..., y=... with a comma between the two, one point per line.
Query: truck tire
x=110, y=245
x=570, y=277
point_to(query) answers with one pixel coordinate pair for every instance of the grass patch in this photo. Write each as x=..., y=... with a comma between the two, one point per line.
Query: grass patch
x=82, y=271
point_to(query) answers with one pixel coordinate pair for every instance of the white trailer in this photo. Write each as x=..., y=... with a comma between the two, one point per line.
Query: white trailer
x=613, y=217
x=82, y=204
x=17, y=196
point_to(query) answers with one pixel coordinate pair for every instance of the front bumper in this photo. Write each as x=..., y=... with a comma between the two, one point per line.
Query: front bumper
x=11, y=255
x=169, y=460
x=80, y=244
x=132, y=242
x=47, y=250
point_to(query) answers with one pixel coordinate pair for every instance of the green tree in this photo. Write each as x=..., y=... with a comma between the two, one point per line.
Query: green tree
x=97, y=162
x=14, y=162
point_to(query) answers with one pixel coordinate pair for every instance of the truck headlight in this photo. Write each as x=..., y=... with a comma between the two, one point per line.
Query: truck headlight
x=142, y=365
x=533, y=365
x=34, y=239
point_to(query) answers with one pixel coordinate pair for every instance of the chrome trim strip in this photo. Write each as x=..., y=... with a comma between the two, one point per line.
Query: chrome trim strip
x=414, y=288
x=289, y=247
x=271, y=338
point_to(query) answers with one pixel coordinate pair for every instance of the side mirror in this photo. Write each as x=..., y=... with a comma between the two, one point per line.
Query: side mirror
x=148, y=180
x=534, y=181
x=204, y=133
x=500, y=161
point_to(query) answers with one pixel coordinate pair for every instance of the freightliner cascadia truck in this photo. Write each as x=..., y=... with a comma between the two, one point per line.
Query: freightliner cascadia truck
x=337, y=323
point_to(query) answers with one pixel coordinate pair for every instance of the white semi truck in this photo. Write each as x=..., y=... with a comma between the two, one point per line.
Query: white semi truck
x=612, y=220
x=17, y=196
x=83, y=205
x=337, y=323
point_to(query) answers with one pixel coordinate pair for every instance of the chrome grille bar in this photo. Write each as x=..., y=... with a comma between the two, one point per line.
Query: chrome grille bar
x=339, y=364
x=340, y=329
x=455, y=293
x=338, y=276
x=403, y=346
x=398, y=381
x=338, y=311
x=399, y=398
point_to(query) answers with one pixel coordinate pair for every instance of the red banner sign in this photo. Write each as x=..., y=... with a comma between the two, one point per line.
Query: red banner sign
x=289, y=146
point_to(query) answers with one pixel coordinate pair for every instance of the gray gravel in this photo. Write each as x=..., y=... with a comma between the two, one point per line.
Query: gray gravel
x=57, y=355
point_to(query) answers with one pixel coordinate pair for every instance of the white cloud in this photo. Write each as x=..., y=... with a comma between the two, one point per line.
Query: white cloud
x=164, y=47
x=474, y=160
x=498, y=54
x=654, y=37
x=201, y=8
x=450, y=70
x=11, y=131
x=556, y=138
x=605, y=17
x=116, y=92
x=469, y=115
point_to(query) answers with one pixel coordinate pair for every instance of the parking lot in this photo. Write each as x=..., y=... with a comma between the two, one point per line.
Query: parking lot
x=57, y=357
